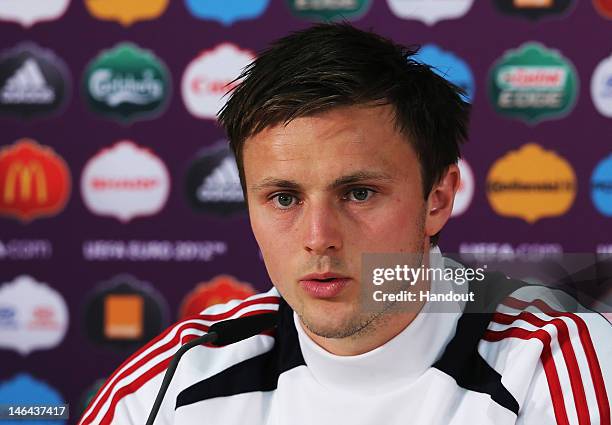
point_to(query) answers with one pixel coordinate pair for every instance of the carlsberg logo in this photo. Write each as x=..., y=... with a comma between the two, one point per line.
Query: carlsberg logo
x=127, y=83
x=118, y=89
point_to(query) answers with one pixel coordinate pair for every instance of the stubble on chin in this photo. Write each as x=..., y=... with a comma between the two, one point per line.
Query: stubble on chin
x=357, y=325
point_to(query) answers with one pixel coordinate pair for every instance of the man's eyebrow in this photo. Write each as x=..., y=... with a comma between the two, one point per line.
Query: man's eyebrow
x=359, y=177
x=353, y=178
x=271, y=182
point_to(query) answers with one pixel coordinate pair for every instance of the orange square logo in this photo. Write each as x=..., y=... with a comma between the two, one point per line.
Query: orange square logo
x=123, y=316
x=533, y=3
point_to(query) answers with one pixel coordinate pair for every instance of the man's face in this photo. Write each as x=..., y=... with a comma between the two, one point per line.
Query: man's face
x=323, y=190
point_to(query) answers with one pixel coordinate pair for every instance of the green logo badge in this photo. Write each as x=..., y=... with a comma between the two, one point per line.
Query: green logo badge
x=533, y=84
x=328, y=10
x=127, y=83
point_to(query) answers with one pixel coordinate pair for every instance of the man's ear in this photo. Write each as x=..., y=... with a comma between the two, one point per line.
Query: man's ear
x=440, y=200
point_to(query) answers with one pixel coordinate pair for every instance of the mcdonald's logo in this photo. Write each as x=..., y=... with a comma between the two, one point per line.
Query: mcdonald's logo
x=34, y=181
x=31, y=178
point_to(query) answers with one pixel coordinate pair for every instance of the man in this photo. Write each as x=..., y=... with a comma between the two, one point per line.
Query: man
x=346, y=146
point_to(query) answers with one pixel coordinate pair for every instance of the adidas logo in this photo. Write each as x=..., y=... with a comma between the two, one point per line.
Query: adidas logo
x=222, y=185
x=27, y=85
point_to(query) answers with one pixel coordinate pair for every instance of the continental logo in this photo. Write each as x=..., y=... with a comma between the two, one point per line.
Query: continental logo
x=531, y=183
x=34, y=181
x=126, y=12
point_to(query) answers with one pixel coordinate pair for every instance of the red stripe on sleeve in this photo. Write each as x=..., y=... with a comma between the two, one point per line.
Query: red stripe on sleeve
x=601, y=395
x=563, y=338
x=548, y=363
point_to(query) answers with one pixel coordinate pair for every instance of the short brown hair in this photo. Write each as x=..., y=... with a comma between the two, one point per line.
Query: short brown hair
x=331, y=65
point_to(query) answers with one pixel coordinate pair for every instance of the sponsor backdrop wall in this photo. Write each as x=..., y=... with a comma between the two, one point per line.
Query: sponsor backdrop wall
x=121, y=210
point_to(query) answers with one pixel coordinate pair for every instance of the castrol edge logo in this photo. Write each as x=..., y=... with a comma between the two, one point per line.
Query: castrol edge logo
x=34, y=181
x=125, y=181
x=533, y=83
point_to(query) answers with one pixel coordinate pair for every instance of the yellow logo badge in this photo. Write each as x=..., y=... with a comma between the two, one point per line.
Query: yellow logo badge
x=126, y=12
x=531, y=183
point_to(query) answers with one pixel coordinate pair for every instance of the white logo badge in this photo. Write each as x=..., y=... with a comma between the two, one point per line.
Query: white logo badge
x=601, y=87
x=27, y=85
x=125, y=181
x=207, y=78
x=430, y=11
x=464, y=195
x=28, y=12
x=223, y=184
x=33, y=316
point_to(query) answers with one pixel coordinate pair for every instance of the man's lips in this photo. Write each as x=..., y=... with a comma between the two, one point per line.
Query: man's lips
x=323, y=285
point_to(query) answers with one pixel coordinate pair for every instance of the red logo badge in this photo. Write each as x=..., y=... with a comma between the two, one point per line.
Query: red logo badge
x=604, y=7
x=34, y=181
x=220, y=289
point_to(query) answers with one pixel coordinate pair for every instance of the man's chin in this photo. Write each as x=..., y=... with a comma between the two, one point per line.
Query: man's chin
x=333, y=323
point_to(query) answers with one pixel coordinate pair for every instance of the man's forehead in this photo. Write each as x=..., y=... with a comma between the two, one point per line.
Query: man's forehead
x=343, y=145
x=306, y=134
x=350, y=130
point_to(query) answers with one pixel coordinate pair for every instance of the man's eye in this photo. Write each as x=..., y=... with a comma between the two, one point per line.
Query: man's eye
x=360, y=194
x=283, y=200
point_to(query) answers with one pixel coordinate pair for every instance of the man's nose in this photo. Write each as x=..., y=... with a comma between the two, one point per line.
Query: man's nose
x=322, y=230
